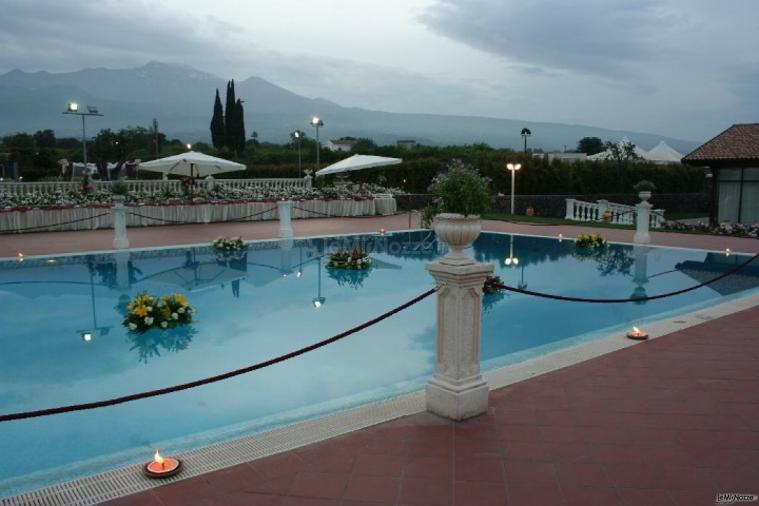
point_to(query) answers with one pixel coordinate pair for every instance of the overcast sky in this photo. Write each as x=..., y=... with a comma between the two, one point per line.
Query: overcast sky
x=685, y=68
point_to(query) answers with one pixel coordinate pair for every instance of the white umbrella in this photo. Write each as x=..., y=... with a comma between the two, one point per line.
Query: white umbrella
x=191, y=164
x=358, y=162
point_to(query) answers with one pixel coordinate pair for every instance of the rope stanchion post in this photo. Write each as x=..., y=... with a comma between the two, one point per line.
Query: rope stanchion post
x=285, y=209
x=642, y=215
x=120, y=239
x=457, y=390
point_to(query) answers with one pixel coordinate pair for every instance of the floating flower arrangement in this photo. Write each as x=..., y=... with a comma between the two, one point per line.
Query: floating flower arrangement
x=352, y=260
x=228, y=244
x=147, y=311
x=590, y=241
x=493, y=284
x=493, y=293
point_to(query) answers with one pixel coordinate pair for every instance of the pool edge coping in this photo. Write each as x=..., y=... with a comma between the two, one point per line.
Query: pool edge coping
x=130, y=480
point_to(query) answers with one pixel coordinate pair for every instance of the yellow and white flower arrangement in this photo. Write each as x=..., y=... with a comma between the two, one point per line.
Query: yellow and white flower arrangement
x=228, y=244
x=352, y=260
x=147, y=311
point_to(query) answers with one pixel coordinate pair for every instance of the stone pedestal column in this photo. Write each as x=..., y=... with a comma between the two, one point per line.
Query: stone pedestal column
x=642, y=215
x=120, y=239
x=457, y=390
x=284, y=208
x=570, y=214
x=122, y=270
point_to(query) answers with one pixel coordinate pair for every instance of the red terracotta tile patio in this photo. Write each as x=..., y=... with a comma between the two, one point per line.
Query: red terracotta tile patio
x=673, y=444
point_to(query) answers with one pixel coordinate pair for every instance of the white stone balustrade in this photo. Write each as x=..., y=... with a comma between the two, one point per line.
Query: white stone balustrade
x=152, y=185
x=618, y=214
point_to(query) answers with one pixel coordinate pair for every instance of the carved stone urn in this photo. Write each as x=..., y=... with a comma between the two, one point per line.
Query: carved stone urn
x=458, y=232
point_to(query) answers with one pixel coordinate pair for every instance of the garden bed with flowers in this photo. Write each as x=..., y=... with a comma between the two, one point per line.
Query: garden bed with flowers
x=724, y=228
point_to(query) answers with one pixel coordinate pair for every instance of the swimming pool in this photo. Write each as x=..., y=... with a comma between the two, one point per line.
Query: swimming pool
x=275, y=298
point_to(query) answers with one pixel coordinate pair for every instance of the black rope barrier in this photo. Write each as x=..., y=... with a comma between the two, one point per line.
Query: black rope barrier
x=317, y=212
x=219, y=377
x=155, y=218
x=17, y=230
x=338, y=216
x=241, y=218
x=634, y=299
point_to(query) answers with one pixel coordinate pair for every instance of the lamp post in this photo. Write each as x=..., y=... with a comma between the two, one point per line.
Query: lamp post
x=513, y=168
x=298, y=135
x=316, y=122
x=526, y=133
x=73, y=108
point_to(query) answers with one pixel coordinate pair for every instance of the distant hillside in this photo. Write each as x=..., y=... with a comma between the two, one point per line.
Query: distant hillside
x=181, y=98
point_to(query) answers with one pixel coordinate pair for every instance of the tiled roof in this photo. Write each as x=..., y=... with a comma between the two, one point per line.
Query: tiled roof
x=737, y=143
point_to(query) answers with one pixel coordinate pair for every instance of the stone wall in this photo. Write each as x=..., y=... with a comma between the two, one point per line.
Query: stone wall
x=555, y=206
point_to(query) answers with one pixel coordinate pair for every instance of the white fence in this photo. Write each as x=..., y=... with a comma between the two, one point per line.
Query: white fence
x=603, y=210
x=153, y=185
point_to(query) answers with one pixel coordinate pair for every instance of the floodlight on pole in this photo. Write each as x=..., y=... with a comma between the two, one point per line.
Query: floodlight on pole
x=298, y=135
x=513, y=168
x=73, y=108
x=526, y=133
x=316, y=122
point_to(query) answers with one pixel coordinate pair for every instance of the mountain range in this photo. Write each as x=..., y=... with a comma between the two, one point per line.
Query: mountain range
x=181, y=98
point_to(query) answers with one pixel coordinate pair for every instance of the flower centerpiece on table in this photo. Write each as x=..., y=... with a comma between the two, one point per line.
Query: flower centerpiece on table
x=147, y=311
x=357, y=259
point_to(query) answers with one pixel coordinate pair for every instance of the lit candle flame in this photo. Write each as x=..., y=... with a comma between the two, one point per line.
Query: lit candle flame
x=158, y=459
x=727, y=252
x=561, y=237
x=636, y=330
x=20, y=256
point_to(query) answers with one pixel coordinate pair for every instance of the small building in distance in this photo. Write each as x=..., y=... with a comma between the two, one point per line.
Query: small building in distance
x=733, y=158
x=342, y=144
x=561, y=155
x=406, y=143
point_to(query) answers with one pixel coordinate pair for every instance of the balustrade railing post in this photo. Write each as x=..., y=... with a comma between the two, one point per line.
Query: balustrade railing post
x=570, y=214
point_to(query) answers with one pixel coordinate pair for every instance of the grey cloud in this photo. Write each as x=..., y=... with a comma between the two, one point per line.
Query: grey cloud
x=590, y=36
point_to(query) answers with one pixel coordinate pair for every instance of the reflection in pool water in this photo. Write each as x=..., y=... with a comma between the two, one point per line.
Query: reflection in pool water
x=276, y=297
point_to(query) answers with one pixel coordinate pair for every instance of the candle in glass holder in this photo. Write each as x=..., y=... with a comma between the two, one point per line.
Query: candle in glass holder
x=636, y=333
x=162, y=467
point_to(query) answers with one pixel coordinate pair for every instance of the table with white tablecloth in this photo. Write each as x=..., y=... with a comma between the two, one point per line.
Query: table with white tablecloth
x=91, y=218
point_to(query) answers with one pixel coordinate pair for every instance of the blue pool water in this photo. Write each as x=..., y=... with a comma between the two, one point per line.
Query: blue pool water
x=263, y=304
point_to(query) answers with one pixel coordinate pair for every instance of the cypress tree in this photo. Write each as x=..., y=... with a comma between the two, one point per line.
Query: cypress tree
x=239, y=127
x=230, y=123
x=217, y=123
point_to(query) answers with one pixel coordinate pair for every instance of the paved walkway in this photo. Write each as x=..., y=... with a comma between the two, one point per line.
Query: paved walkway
x=672, y=421
x=92, y=240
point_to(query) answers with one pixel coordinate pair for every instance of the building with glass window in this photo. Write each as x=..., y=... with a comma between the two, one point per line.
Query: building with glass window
x=733, y=158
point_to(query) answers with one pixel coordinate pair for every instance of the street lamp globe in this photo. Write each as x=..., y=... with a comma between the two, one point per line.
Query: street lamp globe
x=73, y=107
x=189, y=146
x=316, y=121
